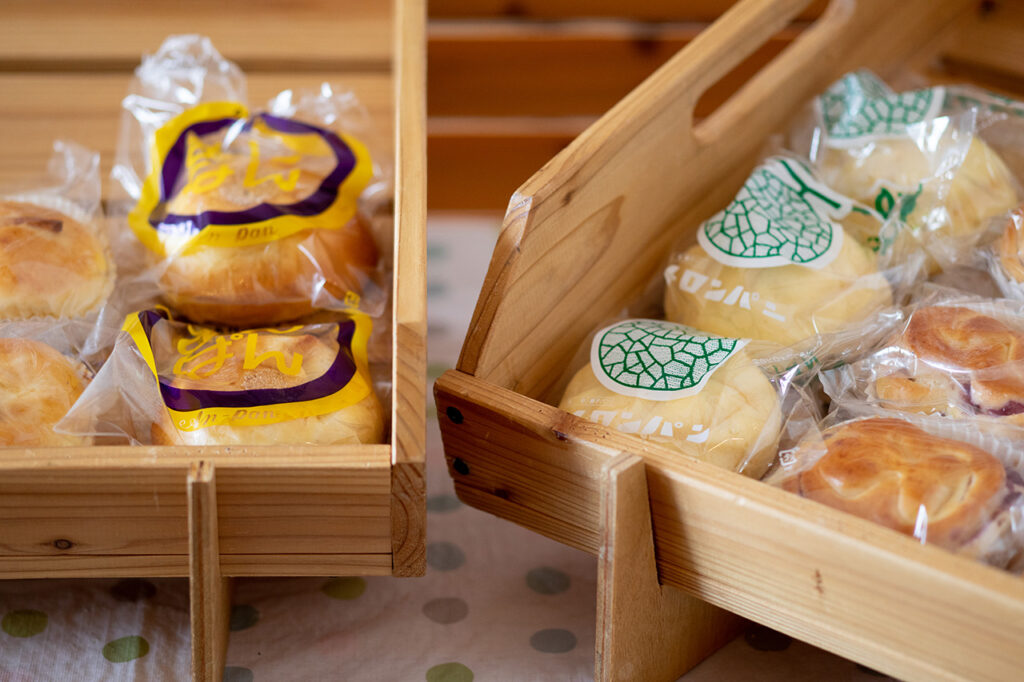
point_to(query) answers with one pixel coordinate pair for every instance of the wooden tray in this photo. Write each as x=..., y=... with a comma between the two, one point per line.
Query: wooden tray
x=581, y=239
x=211, y=513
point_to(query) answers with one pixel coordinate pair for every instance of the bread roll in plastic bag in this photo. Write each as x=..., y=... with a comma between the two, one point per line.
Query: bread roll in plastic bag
x=917, y=154
x=55, y=260
x=702, y=395
x=248, y=217
x=1005, y=254
x=42, y=373
x=957, y=357
x=175, y=383
x=930, y=479
x=782, y=263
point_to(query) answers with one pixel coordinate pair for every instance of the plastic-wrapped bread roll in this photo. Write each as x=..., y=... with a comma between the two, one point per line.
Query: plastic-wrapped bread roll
x=254, y=219
x=941, y=490
x=170, y=382
x=955, y=357
x=38, y=385
x=917, y=152
x=51, y=265
x=695, y=393
x=247, y=218
x=778, y=264
x=1006, y=255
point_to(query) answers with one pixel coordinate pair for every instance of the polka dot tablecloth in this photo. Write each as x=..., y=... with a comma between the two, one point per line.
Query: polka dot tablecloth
x=497, y=603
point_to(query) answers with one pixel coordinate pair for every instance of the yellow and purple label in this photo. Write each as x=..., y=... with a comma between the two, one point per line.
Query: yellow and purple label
x=222, y=177
x=199, y=369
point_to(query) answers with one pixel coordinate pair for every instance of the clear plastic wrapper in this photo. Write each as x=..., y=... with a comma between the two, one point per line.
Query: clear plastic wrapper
x=786, y=262
x=248, y=218
x=56, y=261
x=175, y=383
x=957, y=357
x=702, y=395
x=1005, y=255
x=937, y=481
x=919, y=155
x=42, y=374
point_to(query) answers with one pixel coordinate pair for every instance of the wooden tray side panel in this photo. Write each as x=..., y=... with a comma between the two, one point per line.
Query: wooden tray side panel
x=828, y=578
x=583, y=237
x=409, y=372
x=83, y=511
x=65, y=65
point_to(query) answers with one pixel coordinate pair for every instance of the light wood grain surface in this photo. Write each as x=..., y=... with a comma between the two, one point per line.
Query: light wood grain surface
x=834, y=580
x=64, y=68
x=581, y=238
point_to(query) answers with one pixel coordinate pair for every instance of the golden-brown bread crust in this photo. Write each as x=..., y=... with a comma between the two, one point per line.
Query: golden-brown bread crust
x=361, y=422
x=1010, y=247
x=50, y=264
x=266, y=283
x=37, y=387
x=887, y=470
x=963, y=354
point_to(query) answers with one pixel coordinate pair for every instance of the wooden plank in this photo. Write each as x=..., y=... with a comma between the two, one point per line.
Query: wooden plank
x=991, y=42
x=839, y=582
x=40, y=107
x=645, y=630
x=646, y=10
x=581, y=70
x=645, y=175
x=409, y=369
x=258, y=34
x=209, y=590
x=130, y=501
x=176, y=565
x=476, y=163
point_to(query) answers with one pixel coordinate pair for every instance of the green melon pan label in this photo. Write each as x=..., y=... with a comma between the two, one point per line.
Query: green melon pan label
x=860, y=107
x=657, y=360
x=781, y=216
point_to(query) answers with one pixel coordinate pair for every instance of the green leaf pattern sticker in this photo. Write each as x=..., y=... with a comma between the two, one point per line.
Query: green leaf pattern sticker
x=657, y=360
x=860, y=107
x=781, y=216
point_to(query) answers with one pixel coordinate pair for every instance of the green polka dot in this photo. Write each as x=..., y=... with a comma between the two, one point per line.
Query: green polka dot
x=443, y=503
x=243, y=617
x=450, y=672
x=25, y=623
x=344, y=588
x=444, y=556
x=436, y=369
x=446, y=610
x=553, y=641
x=234, y=673
x=546, y=580
x=126, y=649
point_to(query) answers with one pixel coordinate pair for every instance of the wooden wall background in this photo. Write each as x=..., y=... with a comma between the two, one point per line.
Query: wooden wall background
x=510, y=82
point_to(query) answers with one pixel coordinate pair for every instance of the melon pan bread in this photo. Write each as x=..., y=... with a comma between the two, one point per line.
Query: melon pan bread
x=358, y=423
x=981, y=188
x=732, y=423
x=783, y=304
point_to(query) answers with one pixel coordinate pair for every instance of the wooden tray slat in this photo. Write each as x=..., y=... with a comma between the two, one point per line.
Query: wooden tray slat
x=828, y=578
x=643, y=10
x=85, y=107
x=267, y=34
